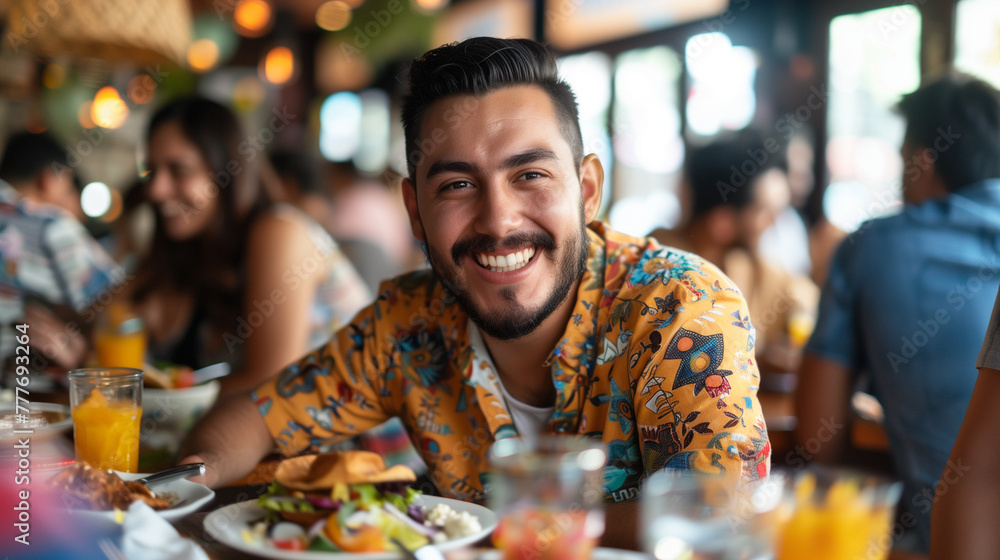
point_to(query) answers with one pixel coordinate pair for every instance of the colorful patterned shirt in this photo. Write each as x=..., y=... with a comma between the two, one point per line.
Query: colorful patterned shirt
x=657, y=362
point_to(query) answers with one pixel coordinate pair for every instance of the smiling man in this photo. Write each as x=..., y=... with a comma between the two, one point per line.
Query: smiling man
x=531, y=321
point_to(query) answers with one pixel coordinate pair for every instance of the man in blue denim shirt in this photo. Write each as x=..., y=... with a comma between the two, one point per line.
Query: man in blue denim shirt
x=909, y=296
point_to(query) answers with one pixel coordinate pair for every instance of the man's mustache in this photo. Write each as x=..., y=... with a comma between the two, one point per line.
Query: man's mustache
x=514, y=242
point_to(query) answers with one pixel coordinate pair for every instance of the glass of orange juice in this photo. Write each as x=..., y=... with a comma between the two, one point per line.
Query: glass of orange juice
x=838, y=514
x=549, y=496
x=107, y=412
x=120, y=339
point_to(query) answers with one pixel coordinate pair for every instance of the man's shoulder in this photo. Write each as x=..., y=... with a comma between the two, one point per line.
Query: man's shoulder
x=663, y=277
x=419, y=292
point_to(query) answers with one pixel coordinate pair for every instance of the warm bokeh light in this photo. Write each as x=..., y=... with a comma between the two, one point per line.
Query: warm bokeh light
x=252, y=18
x=279, y=65
x=430, y=5
x=83, y=115
x=95, y=200
x=141, y=89
x=203, y=54
x=333, y=16
x=108, y=109
x=54, y=76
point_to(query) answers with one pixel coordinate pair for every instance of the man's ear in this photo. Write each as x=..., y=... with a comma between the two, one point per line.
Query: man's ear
x=410, y=199
x=592, y=185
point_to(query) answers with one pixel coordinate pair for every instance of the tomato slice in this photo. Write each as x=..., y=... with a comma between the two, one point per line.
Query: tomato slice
x=290, y=544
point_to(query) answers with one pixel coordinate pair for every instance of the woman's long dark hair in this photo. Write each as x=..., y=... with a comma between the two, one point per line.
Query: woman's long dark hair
x=210, y=265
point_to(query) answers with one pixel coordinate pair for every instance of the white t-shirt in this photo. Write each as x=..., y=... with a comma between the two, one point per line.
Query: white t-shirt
x=528, y=420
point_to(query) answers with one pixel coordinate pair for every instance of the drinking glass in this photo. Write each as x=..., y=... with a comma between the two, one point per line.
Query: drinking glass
x=106, y=407
x=838, y=514
x=549, y=495
x=120, y=338
x=685, y=516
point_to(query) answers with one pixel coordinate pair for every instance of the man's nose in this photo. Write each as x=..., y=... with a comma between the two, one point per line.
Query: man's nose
x=500, y=211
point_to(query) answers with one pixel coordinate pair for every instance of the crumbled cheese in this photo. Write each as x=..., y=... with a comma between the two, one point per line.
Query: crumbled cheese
x=454, y=524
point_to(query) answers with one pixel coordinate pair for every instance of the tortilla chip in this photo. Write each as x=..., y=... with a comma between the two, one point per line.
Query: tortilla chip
x=320, y=472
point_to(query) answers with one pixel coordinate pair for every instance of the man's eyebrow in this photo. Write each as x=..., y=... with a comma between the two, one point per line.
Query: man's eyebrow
x=448, y=166
x=516, y=160
x=531, y=156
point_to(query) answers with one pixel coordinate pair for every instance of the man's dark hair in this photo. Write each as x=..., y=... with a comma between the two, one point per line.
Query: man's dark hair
x=479, y=66
x=27, y=155
x=723, y=173
x=958, y=117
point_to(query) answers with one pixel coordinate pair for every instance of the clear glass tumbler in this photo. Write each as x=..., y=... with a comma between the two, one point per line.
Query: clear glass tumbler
x=549, y=496
x=107, y=412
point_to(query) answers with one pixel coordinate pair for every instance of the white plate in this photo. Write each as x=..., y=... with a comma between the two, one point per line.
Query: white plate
x=190, y=497
x=227, y=524
x=597, y=554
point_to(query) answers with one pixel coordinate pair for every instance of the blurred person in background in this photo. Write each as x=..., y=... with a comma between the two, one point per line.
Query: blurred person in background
x=785, y=242
x=52, y=269
x=231, y=276
x=368, y=210
x=730, y=211
x=908, y=296
x=367, y=220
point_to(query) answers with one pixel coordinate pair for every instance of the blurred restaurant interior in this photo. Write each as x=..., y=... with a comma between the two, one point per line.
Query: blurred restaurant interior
x=650, y=77
x=324, y=79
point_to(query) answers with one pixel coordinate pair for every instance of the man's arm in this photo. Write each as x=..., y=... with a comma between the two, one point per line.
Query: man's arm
x=231, y=439
x=822, y=403
x=965, y=518
x=621, y=525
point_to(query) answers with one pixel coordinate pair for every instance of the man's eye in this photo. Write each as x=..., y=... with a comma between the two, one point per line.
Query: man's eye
x=531, y=175
x=457, y=185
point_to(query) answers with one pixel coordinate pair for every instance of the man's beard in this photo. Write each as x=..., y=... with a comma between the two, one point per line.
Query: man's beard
x=513, y=321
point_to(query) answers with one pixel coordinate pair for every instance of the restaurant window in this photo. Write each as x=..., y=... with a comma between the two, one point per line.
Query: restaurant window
x=977, y=39
x=356, y=127
x=646, y=136
x=721, y=93
x=589, y=76
x=874, y=60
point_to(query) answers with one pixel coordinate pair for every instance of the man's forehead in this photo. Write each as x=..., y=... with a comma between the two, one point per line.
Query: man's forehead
x=508, y=103
x=501, y=120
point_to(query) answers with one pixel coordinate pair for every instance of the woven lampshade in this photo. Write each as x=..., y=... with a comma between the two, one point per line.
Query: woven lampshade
x=141, y=31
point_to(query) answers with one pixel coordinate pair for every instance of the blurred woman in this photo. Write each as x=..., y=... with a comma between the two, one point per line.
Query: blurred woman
x=231, y=276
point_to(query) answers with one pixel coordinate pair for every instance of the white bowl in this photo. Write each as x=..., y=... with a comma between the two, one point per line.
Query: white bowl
x=57, y=417
x=167, y=416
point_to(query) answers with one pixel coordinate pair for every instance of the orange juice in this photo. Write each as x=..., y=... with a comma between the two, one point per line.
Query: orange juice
x=843, y=527
x=106, y=434
x=534, y=534
x=120, y=350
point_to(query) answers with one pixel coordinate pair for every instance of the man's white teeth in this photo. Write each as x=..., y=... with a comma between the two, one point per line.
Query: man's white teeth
x=508, y=263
